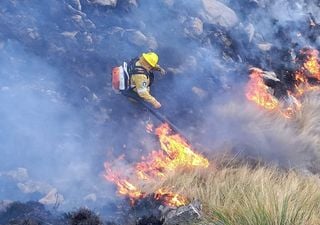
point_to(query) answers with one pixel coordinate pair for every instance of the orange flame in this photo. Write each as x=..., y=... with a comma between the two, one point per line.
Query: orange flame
x=124, y=186
x=170, y=198
x=312, y=63
x=309, y=69
x=175, y=152
x=258, y=92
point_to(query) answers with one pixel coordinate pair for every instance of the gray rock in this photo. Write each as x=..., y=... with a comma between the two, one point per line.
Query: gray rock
x=182, y=215
x=76, y=4
x=52, y=197
x=138, y=38
x=193, y=27
x=90, y=197
x=132, y=3
x=261, y=3
x=250, y=31
x=214, y=12
x=265, y=46
x=112, y=3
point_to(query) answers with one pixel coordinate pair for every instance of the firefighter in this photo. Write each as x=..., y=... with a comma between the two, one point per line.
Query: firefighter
x=141, y=76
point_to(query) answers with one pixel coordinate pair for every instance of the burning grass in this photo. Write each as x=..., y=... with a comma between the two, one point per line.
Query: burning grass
x=239, y=195
x=262, y=84
x=175, y=153
x=246, y=196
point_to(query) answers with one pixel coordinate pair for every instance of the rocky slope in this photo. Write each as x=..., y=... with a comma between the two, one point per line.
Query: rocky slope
x=57, y=102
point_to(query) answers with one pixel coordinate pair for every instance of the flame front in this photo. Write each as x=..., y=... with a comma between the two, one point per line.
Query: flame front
x=258, y=92
x=170, y=198
x=124, y=186
x=309, y=69
x=312, y=63
x=175, y=152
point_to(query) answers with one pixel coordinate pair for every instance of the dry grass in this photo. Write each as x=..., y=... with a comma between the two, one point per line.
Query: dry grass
x=262, y=195
x=308, y=127
x=244, y=196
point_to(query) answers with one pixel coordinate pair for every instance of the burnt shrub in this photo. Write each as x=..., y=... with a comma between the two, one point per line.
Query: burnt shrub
x=83, y=216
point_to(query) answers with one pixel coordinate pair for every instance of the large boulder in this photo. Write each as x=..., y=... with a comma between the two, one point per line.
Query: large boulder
x=216, y=13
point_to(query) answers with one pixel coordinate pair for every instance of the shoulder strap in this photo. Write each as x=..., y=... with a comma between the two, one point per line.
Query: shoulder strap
x=134, y=69
x=151, y=78
x=139, y=70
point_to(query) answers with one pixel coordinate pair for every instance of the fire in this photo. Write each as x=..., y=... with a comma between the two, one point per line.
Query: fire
x=258, y=92
x=124, y=186
x=170, y=198
x=312, y=63
x=309, y=69
x=175, y=152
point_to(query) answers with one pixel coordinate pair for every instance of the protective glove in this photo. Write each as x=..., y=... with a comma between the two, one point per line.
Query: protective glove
x=157, y=105
x=162, y=71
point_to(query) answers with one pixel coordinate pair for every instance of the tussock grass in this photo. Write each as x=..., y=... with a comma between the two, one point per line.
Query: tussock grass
x=247, y=196
x=308, y=127
x=240, y=194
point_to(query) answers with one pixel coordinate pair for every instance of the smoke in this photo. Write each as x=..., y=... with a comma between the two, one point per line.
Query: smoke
x=61, y=120
x=232, y=123
x=46, y=144
x=237, y=126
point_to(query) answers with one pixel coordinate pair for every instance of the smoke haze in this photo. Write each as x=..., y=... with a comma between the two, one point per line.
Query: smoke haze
x=60, y=119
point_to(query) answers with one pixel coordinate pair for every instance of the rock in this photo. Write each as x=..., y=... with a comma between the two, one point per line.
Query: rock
x=132, y=3
x=138, y=38
x=193, y=27
x=265, y=46
x=116, y=30
x=189, y=64
x=76, y=4
x=182, y=215
x=112, y=3
x=75, y=11
x=53, y=197
x=261, y=3
x=69, y=34
x=217, y=13
x=90, y=197
x=33, y=34
x=199, y=92
x=250, y=31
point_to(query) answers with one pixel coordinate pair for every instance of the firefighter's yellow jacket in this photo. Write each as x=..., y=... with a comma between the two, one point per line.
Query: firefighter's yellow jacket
x=140, y=84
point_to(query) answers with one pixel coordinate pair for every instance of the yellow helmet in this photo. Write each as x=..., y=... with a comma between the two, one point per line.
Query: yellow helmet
x=151, y=57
